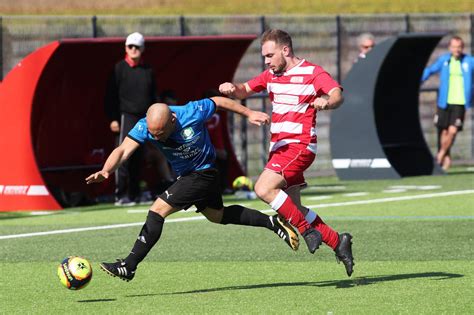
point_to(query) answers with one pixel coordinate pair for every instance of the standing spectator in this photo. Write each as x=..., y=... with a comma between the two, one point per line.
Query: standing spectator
x=365, y=42
x=168, y=97
x=454, y=95
x=216, y=131
x=214, y=128
x=131, y=90
x=297, y=90
x=161, y=171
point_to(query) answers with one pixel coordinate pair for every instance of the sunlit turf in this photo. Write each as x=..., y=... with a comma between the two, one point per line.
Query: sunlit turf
x=412, y=256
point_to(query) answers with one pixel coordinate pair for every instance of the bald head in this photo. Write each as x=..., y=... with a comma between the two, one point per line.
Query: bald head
x=160, y=121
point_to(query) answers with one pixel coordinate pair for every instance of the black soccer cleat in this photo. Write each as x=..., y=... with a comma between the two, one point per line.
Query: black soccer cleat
x=313, y=239
x=344, y=252
x=118, y=269
x=285, y=231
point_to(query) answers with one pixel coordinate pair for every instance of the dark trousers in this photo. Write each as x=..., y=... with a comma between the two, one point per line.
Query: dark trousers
x=127, y=177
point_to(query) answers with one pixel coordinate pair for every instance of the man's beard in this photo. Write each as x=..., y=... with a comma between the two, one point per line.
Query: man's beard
x=281, y=67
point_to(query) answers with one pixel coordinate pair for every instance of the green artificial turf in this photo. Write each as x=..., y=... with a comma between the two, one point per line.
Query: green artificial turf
x=412, y=256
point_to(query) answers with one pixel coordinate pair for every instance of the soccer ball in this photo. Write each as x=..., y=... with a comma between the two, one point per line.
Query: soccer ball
x=242, y=183
x=75, y=272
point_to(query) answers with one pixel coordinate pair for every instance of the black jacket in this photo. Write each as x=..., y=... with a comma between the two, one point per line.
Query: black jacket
x=130, y=89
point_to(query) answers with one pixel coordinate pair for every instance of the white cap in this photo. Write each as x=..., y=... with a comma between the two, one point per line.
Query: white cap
x=135, y=39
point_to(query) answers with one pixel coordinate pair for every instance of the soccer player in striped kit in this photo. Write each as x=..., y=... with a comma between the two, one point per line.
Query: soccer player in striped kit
x=297, y=90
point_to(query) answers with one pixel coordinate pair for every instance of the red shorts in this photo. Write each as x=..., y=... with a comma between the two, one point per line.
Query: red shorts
x=291, y=161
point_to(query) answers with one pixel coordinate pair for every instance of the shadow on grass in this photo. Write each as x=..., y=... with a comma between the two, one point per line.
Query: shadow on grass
x=96, y=300
x=338, y=284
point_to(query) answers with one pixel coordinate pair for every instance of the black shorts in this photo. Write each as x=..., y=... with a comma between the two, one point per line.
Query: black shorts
x=453, y=115
x=198, y=188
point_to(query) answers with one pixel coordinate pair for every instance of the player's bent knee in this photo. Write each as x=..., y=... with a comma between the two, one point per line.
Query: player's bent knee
x=163, y=208
x=213, y=215
x=259, y=189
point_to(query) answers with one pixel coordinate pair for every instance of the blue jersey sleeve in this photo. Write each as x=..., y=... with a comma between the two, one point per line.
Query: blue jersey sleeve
x=139, y=132
x=205, y=108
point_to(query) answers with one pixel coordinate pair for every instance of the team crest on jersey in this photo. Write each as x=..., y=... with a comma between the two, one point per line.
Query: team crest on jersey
x=187, y=133
x=465, y=66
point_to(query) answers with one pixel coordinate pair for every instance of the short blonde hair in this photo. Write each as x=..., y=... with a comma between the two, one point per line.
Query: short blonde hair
x=280, y=37
x=458, y=38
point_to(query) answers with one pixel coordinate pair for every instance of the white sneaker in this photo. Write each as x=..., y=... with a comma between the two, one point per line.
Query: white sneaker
x=125, y=202
x=146, y=198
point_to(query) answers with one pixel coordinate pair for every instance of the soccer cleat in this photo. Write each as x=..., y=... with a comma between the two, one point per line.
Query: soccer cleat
x=118, y=269
x=313, y=239
x=285, y=231
x=344, y=252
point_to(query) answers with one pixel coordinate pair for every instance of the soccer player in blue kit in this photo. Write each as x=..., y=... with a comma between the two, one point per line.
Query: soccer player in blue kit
x=180, y=133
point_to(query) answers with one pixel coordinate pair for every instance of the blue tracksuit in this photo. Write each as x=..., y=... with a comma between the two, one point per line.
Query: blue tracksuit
x=441, y=65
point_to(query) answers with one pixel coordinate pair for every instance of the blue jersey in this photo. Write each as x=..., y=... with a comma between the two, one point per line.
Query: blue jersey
x=189, y=147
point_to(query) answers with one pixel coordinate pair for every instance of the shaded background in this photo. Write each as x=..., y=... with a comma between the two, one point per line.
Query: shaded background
x=327, y=40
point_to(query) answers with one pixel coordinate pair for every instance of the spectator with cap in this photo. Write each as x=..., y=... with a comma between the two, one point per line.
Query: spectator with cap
x=130, y=91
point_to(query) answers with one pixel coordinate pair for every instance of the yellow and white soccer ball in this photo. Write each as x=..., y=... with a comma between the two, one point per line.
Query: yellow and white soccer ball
x=242, y=183
x=75, y=272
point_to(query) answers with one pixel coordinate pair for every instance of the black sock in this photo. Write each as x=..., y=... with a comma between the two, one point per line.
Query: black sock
x=149, y=235
x=236, y=214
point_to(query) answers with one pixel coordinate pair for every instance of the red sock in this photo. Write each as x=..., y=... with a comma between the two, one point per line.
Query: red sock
x=288, y=210
x=330, y=237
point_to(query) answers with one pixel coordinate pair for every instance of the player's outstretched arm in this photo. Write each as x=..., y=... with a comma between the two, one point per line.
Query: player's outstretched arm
x=255, y=117
x=117, y=157
x=237, y=90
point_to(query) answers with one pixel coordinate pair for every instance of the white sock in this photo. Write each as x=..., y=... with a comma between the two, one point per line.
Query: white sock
x=279, y=200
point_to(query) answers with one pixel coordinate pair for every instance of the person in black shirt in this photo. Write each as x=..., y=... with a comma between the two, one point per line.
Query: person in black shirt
x=131, y=90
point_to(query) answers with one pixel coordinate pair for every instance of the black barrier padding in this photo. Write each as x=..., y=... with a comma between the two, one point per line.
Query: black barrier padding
x=396, y=105
x=380, y=117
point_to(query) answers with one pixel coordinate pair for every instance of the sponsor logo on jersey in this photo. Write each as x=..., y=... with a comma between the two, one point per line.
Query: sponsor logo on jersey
x=296, y=80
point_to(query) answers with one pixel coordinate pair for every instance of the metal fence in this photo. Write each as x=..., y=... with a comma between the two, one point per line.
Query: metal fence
x=326, y=40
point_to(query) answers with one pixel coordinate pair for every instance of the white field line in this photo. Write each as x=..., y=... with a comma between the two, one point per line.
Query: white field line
x=401, y=198
x=117, y=226
x=92, y=228
x=356, y=194
x=101, y=227
x=319, y=197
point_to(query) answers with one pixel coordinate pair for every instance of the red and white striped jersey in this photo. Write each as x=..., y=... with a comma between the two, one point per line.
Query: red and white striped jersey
x=293, y=120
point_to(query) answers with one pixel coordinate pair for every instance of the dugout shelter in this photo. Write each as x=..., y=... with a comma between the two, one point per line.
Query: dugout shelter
x=377, y=133
x=52, y=120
